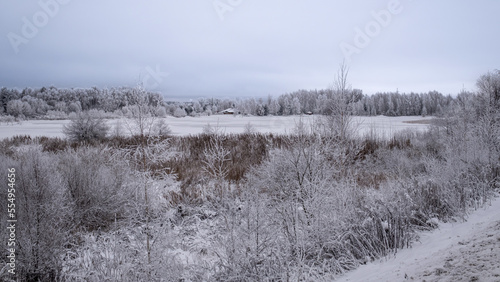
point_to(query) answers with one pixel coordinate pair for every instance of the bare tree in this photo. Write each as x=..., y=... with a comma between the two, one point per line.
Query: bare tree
x=215, y=157
x=215, y=161
x=141, y=114
x=338, y=122
x=338, y=126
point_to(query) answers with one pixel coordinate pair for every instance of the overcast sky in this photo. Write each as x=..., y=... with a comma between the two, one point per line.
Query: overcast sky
x=248, y=48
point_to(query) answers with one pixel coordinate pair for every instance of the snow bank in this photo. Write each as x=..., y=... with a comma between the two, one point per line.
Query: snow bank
x=463, y=251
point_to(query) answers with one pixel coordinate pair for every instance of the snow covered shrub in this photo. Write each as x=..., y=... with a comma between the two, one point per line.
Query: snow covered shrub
x=160, y=187
x=314, y=214
x=56, y=115
x=99, y=185
x=248, y=247
x=469, y=154
x=249, y=129
x=72, y=115
x=43, y=213
x=160, y=111
x=53, y=144
x=8, y=146
x=209, y=129
x=392, y=215
x=161, y=128
x=7, y=119
x=88, y=126
x=118, y=256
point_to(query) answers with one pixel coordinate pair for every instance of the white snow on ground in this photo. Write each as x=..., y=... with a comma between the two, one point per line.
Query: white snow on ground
x=461, y=251
x=383, y=126
x=49, y=128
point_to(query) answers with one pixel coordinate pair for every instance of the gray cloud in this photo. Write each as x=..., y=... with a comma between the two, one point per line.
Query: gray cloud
x=255, y=48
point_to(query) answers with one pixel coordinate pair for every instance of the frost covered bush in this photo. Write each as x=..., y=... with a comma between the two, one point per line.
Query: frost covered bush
x=161, y=112
x=99, y=186
x=86, y=127
x=7, y=119
x=302, y=215
x=119, y=256
x=249, y=129
x=56, y=115
x=161, y=128
x=325, y=223
x=248, y=247
x=44, y=215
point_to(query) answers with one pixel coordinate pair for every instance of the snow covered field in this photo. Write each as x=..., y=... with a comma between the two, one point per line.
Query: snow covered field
x=382, y=125
x=461, y=251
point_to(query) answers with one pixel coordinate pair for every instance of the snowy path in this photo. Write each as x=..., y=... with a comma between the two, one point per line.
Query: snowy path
x=461, y=251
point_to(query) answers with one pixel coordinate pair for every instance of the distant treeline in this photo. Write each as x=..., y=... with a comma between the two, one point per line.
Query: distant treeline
x=53, y=101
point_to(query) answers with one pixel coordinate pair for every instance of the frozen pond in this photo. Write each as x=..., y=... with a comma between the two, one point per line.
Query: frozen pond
x=383, y=126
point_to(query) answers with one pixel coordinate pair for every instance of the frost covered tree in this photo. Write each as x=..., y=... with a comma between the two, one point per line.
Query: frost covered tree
x=321, y=104
x=179, y=112
x=424, y=111
x=487, y=126
x=274, y=107
x=141, y=116
x=338, y=121
x=489, y=89
x=215, y=161
x=296, y=107
x=18, y=108
x=197, y=107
